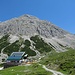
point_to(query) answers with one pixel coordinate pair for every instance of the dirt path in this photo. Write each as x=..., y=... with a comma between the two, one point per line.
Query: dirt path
x=4, y=48
x=2, y=55
x=54, y=72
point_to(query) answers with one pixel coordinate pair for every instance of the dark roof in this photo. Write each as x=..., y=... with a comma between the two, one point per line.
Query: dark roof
x=16, y=56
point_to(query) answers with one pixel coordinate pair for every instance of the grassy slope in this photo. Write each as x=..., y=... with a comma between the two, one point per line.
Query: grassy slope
x=64, y=62
x=33, y=69
x=60, y=61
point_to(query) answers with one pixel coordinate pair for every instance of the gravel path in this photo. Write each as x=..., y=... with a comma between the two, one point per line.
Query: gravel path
x=1, y=68
x=54, y=72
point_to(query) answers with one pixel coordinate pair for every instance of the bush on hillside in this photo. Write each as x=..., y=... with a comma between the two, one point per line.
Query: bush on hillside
x=40, y=45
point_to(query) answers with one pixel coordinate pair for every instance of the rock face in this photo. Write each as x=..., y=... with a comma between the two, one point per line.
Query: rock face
x=29, y=26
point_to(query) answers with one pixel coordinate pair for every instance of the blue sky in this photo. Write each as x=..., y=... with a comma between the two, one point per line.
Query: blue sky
x=59, y=12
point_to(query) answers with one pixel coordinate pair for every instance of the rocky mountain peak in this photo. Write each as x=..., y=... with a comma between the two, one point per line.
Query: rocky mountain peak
x=28, y=16
x=30, y=25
